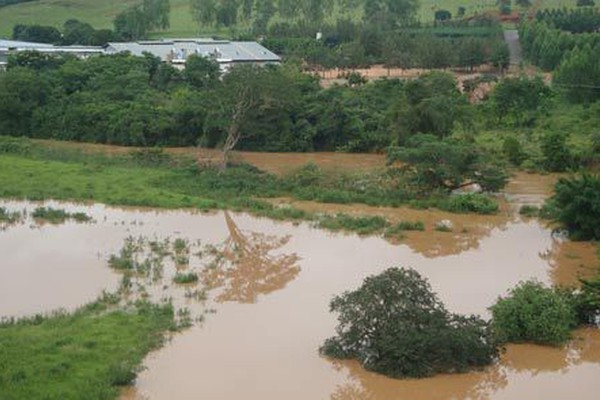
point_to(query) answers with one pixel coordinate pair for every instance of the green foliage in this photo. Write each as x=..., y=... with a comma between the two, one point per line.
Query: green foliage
x=446, y=164
x=587, y=301
x=579, y=75
x=395, y=325
x=576, y=206
x=90, y=353
x=557, y=156
x=533, y=313
x=520, y=100
x=182, y=278
x=512, y=149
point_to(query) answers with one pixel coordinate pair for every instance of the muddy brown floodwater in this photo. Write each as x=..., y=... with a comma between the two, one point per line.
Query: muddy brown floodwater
x=270, y=284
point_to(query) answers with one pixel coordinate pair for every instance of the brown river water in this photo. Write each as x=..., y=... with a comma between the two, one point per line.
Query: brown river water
x=269, y=292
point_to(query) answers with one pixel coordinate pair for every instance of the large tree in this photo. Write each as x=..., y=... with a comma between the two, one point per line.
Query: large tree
x=395, y=325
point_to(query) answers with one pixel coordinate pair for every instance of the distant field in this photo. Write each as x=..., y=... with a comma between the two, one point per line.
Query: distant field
x=100, y=13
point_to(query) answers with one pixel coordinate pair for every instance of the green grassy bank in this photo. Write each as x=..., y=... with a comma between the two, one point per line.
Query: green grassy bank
x=85, y=355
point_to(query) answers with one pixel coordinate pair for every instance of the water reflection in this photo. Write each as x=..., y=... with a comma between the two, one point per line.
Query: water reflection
x=246, y=265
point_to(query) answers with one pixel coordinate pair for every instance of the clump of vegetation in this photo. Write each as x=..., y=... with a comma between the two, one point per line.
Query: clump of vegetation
x=185, y=278
x=576, y=206
x=125, y=260
x=58, y=216
x=470, y=203
x=397, y=230
x=395, y=325
x=533, y=313
x=529, y=211
x=360, y=225
x=181, y=252
x=90, y=353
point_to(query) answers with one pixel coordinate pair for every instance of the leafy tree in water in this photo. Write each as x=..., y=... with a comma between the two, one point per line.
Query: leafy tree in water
x=395, y=325
x=534, y=313
x=435, y=164
x=576, y=206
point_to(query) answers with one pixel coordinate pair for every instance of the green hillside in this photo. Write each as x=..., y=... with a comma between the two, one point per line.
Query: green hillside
x=101, y=13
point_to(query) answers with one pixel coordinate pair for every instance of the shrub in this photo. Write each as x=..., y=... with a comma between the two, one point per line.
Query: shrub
x=395, y=325
x=557, y=157
x=533, y=313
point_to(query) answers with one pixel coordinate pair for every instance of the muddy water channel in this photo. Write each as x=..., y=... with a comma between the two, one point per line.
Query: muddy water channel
x=268, y=284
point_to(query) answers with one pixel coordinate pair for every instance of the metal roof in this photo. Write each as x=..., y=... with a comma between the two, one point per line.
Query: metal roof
x=22, y=45
x=179, y=49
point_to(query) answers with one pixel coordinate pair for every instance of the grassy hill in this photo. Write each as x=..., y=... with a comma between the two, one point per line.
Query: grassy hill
x=101, y=13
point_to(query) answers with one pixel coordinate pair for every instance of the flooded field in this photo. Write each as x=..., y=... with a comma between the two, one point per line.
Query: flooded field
x=268, y=285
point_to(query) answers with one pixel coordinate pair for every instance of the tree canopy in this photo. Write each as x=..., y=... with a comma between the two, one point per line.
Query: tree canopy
x=395, y=325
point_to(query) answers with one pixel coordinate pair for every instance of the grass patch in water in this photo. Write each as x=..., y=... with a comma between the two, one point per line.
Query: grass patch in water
x=58, y=216
x=397, y=231
x=87, y=354
x=360, y=225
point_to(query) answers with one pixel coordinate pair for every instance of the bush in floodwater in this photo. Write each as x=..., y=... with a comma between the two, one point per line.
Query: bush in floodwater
x=395, y=325
x=470, y=203
x=534, y=313
x=185, y=278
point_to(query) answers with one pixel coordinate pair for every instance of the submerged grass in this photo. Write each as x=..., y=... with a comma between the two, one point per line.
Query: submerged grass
x=87, y=354
x=58, y=216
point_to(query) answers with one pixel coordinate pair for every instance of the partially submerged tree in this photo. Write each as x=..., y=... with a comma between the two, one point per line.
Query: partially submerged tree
x=395, y=325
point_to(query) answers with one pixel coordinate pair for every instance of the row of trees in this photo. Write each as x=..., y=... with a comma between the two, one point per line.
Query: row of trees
x=259, y=13
x=73, y=32
x=578, y=20
x=573, y=57
x=133, y=23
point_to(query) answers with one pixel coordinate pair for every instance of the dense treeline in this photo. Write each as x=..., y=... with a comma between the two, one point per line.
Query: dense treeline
x=74, y=32
x=141, y=101
x=130, y=100
x=578, y=20
x=347, y=44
